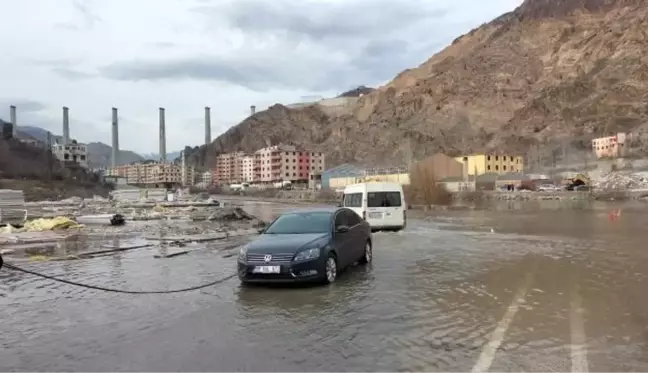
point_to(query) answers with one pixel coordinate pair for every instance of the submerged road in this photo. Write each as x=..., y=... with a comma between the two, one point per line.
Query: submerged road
x=559, y=290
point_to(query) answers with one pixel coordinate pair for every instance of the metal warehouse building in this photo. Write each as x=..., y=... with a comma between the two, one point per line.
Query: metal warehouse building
x=342, y=171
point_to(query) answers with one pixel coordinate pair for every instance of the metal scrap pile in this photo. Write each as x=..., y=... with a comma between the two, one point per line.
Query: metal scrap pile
x=626, y=181
x=12, y=206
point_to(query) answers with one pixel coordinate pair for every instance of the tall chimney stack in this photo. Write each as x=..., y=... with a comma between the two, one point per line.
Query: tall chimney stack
x=66, y=126
x=252, y=110
x=115, y=138
x=207, y=125
x=12, y=119
x=163, y=155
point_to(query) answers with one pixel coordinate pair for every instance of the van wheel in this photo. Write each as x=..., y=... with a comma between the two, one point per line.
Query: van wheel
x=367, y=257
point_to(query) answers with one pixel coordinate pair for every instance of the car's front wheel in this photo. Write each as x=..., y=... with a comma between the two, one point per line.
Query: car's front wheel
x=368, y=254
x=331, y=269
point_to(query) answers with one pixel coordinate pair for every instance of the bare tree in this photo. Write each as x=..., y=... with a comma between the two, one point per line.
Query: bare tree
x=424, y=187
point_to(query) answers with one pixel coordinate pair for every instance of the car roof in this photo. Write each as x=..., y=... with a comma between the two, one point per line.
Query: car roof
x=330, y=210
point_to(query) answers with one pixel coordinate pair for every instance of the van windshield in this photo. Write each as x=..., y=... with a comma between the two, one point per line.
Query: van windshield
x=384, y=199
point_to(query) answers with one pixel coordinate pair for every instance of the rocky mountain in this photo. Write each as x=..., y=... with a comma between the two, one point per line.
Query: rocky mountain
x=550, y=73
x=99, y=154
x=357, y=92
x=156, y=156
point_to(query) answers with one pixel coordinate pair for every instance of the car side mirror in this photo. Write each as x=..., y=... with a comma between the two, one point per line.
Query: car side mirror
x=342, y=229
x=260, y=230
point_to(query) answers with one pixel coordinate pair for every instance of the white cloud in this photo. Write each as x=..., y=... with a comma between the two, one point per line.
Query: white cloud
x=227, y=54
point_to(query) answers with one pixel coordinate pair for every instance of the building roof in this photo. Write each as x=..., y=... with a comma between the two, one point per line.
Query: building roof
x=456, y=179
x=344, y=169
x=513, y=176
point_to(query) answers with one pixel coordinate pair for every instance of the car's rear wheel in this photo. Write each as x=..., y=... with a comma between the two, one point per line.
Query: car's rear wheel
x=368, y=254
x=331, y=269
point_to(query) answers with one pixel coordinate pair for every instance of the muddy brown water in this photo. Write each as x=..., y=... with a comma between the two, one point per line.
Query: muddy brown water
x=508, y=289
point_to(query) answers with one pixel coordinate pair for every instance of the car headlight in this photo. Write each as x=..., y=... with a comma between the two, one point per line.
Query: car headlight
x=243, y=253
x=308, y=254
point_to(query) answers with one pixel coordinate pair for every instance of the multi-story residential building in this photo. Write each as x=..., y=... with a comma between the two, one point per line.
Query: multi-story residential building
x=228, y=168
x=119, y=171
x=189, y=176
x=74, y=152
x=610, y=146
x=269, y=165
x=247, y=168
x=206, y=178
x=153, y=174
x=491, y=163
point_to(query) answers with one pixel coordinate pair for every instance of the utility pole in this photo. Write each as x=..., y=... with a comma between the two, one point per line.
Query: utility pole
x=49, y=155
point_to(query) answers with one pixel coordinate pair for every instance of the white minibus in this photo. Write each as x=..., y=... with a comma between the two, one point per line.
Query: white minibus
x=382, y=205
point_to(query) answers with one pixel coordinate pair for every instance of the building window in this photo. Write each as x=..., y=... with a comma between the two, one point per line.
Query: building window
x=488, y=167
x=497, y=157
x=294, y=174
x=488, y=158
x=496, y=168
x=504, y=167
x=287, y=174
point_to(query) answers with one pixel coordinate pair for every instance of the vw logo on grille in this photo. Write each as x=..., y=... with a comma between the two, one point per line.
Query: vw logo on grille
x=267, y=258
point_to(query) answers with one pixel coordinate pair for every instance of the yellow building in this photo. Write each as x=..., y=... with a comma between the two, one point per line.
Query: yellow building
x=490, y=163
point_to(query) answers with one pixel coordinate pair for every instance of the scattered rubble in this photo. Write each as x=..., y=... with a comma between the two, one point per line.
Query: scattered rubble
x=623, y=181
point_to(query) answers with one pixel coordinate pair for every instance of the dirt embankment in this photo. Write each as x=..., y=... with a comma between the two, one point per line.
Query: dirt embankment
x=41, y=190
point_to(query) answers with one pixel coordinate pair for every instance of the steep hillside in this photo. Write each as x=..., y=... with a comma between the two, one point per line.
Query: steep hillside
x=549, y=72
x=99, y=154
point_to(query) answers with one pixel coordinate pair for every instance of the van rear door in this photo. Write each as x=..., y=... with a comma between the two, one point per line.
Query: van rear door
x=385, y=209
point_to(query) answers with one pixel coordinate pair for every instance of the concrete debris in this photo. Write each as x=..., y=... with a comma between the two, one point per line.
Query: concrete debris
x=12, y=206
x=623, y=180
x=230, y=214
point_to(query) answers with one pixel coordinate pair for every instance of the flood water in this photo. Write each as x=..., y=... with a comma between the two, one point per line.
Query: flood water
x=504, y=290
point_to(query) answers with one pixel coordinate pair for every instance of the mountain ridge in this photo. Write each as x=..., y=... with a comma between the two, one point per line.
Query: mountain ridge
x=99, y=154
x=549, y=74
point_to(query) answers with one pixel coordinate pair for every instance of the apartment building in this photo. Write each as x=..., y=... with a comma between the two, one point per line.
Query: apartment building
x=248, y=168
x=610, y=146
x=119, y=171
x=74, y=152
x=154, y=174
x=491, y=163
x=206, y=178
x=269, y=165
x=228, y=168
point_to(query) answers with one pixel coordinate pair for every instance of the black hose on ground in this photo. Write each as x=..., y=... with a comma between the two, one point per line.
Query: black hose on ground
x=95, y=287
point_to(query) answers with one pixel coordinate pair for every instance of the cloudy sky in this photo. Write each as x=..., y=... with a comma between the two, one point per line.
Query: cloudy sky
x=138, y=55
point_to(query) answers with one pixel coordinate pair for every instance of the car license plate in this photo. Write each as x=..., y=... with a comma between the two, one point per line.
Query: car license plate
x=376, y=215
x=267, y=269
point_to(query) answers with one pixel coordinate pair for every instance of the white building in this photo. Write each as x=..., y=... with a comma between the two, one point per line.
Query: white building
x=248, y=168
x=74, y=152
x=206, y=178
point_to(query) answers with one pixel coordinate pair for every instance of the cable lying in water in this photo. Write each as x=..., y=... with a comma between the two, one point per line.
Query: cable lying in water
x=95, y=287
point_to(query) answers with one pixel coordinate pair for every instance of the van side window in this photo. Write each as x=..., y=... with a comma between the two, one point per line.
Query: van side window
x=353, y=200
x=384, y=199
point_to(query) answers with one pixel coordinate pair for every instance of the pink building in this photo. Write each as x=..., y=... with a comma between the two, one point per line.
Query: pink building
x=269, y=165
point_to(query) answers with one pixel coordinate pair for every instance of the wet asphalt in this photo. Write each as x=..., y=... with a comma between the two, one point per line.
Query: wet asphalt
x=499, y=290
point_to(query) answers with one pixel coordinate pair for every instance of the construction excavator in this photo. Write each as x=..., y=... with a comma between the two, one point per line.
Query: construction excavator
x=578, y=182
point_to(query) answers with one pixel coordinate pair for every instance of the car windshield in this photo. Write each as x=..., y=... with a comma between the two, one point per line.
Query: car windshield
x=301, y=223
